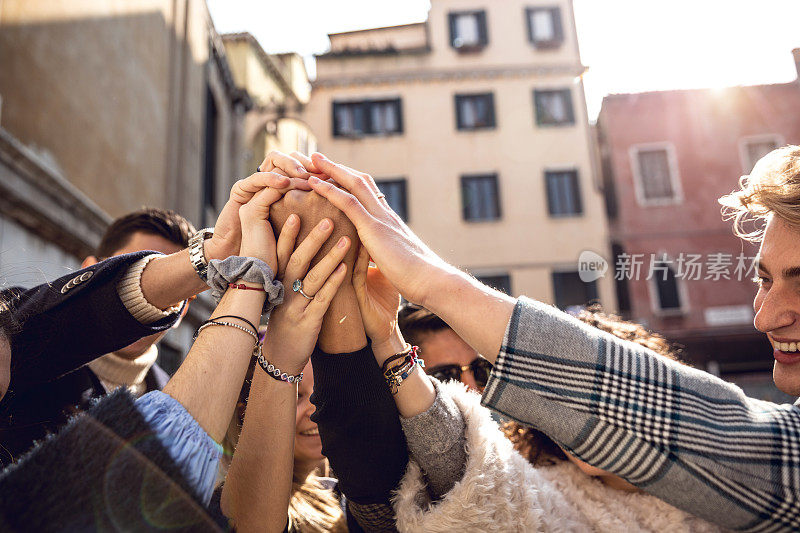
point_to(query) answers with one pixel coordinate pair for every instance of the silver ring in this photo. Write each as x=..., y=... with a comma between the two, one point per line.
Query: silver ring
x=297, y=286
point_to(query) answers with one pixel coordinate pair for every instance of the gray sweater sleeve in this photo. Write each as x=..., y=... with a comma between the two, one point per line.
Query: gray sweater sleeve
x=436, y=441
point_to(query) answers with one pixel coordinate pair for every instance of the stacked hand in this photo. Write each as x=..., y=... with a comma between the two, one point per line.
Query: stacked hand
x=295, y=324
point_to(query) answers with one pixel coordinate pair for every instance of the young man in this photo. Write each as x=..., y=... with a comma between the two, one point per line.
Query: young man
x=447, y=356
x=48, y=406
x=63, y=325
x=134, y=366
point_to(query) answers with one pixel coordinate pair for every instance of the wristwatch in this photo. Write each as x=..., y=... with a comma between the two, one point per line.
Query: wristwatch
x=196, y=252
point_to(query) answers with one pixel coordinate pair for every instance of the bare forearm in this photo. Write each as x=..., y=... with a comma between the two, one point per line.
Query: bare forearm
x=218, y=362
x=170, y=279
x=477, y=313
x=258, y=486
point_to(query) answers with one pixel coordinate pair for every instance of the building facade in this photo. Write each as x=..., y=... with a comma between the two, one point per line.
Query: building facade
x=111, y=106
x=474, y=125
x=133, y=102
x=279, y=87
x=667, y=157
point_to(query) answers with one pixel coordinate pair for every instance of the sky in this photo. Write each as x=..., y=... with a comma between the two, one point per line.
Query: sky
x=628, y=45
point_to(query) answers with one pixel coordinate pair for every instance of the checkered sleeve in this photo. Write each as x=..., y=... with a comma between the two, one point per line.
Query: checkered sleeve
x=680, y=434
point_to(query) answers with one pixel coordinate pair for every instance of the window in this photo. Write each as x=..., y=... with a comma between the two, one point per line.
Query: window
x=501, y=282
x=367, y=117
x=755, y=148
x=302, y=141
x=655, y=173
x=554, y=107
x=468, y=30
x=570, y=291
x=474, y=111
x=544, y=27
x=395, y=191
x=480, y=198
x=668, y=296
x=563, y=193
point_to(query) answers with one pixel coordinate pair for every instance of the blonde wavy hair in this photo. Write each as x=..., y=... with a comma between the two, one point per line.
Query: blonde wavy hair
x=772, y=188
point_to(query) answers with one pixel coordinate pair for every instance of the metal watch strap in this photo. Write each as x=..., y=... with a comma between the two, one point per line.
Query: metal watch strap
x=196, y=251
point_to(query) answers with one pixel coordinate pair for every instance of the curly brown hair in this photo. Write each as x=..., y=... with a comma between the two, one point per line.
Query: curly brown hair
x=538, y=448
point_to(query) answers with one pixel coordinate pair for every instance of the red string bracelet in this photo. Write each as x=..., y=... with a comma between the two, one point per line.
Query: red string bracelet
x=245, y=287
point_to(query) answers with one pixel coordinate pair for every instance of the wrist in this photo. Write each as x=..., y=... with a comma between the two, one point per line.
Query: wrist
x=212, y=249
x=440, y=287
x=386, y=348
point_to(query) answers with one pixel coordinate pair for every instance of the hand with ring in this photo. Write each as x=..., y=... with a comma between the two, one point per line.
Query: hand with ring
x=295, y=325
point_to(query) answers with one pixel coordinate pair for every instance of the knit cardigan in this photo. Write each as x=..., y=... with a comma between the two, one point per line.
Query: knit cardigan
x=501, y=491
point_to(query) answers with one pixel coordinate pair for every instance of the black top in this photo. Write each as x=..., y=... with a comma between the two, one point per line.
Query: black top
x=60, y=330
x=359, y=425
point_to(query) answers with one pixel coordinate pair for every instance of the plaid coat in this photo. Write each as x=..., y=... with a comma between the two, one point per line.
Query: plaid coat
x=691, y=439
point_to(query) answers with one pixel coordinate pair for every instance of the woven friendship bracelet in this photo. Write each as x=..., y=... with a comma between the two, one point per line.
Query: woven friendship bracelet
x=396, y=375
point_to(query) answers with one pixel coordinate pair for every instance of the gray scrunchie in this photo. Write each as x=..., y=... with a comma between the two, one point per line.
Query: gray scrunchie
x=234, y=268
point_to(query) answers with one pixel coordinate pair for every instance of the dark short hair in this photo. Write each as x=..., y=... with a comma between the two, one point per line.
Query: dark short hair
x=151, y=220
x=416, y=322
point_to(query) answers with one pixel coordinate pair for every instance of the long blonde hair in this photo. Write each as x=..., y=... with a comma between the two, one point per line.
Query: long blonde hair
x=313, y=508
x=773, y=187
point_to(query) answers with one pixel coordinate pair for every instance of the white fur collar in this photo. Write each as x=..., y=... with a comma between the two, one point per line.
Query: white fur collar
x=501, y=491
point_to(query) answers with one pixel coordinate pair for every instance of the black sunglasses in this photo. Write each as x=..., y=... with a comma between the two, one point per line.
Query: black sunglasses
x=480, y=368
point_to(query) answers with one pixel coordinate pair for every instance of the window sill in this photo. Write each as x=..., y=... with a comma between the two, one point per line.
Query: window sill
x=481, y=220
x=359, y=136
x=546, y=45
x=555, y=124
x=471, y=49
x=478, y=128
x=566, y=216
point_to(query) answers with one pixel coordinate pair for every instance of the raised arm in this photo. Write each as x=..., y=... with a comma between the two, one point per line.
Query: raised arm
x=477, y=313
x=82, y=315
x=257, y=488
x=675, y=432
x=356, y=416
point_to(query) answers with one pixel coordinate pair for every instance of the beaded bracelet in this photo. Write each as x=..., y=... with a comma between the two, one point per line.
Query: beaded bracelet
x=273, y=372
x=209, y=323
x=396, y=375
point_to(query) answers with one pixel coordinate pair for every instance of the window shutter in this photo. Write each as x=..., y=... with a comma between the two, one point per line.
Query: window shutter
x=558, y=30
x=576, y=193
x=451, y=18
x=566, y=94
x=490, y=100
x=483, y=31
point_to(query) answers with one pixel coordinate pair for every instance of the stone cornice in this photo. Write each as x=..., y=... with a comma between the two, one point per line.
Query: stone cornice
x=45, y=203
x=450, y=75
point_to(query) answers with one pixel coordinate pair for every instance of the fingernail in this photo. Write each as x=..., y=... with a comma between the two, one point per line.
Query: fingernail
x=292, y=220
x=341, y=267
x=325, y=224
x=322, y=156
x=342, y=242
